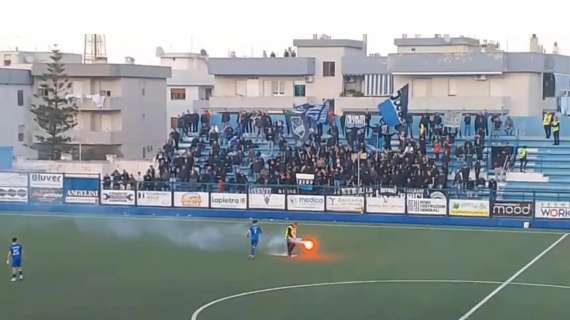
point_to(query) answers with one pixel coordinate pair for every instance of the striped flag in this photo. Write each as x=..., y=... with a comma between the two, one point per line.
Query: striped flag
x=395, y=109
x=317, y=113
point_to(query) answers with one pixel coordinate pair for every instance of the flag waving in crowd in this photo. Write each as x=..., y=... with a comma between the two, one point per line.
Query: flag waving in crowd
x=395, y=109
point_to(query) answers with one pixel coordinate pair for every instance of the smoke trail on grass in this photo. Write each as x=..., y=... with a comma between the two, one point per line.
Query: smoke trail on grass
x=192, y=234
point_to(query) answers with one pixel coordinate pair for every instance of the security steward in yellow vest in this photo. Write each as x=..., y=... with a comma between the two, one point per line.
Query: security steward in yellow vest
x=523, y=154
x=547, y=123
x=556, y=130
x=291, y=237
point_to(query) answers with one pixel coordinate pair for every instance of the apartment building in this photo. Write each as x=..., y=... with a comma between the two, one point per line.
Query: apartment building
x=446, y=73
x=122, y=109
x=443, y=72
x=15, y=99
x=313, y=74
x=190, y=86
x=24, y=59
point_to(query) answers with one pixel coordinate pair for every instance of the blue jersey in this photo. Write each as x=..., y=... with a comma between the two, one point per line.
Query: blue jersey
x=255, y=232
x=16, y=251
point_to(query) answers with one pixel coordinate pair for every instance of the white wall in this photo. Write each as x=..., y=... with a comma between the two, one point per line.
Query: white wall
x=327, y=87
x=14, y=116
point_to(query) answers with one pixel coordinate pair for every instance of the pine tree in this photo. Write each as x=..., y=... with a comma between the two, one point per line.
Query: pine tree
x=54, y=113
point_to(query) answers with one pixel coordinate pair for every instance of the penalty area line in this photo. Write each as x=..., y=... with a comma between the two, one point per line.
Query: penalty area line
x=202, y=308
x=512, y=278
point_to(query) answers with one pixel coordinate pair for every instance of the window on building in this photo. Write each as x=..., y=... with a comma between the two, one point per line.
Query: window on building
x=204, y=93
x=328, y=68
x=7, y=60
x=105, y=93
x=277, y=88
x=452, y=88
x=299, y=90
x=20, y=98
x=21, y=129
x=43, y=92
x=208, y=93
x=177, y=94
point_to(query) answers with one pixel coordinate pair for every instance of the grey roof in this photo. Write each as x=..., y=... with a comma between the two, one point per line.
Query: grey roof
x=355, y=65
x=426, y=63
x=537, y=62
x=15, y=76
x=437, y=41
x=261, y=66
x=328, y=43
x=477, y=63
x=190, y=78
x=108, y=70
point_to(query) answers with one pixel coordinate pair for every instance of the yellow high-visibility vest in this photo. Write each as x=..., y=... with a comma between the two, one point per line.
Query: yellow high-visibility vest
x=555, y=126
x=523, y=153
x=547, y=119
x=291, y=231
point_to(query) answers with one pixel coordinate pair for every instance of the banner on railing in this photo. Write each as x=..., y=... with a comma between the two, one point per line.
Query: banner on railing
x=305, y=181
x=118, y=197
x=13, y=187
x=305, y=203
x=228, y=200
x=552, y=210
x=46, y=187
x=469, y=208
x=154, y=198
x=46, y=180
x=355, y=121
x=191, y=199
x=512, y=209
x=427, y=206
x=81, y=188
x=345, y=203
x=388, y=204
x=267, y=201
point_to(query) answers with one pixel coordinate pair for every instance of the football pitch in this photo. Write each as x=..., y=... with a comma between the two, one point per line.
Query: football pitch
x=105, y=267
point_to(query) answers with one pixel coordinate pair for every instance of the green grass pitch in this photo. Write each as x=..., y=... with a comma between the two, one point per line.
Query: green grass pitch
x=160, y=268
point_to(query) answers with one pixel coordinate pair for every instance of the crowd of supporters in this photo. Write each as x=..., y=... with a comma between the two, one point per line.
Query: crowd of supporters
x=256, y=149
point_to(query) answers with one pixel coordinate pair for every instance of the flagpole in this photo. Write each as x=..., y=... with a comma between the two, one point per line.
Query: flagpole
x=359, y=169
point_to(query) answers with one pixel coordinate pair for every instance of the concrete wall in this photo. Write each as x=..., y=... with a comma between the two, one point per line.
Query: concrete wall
x=228, y=86
x=15, y=118
x=101, y=167
x=436, y=49
x=327, y=87
x=143, y=116
x=518, y=93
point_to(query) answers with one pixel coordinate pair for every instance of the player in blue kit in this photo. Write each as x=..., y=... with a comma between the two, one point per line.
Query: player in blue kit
x=254, y=233
x=15, y=255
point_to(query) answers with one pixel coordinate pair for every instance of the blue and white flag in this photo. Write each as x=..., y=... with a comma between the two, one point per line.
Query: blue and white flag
x=395, y=109
x=388, y=111
x=318, y=113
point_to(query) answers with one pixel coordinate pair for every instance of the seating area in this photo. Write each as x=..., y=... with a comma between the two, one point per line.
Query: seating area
x=548, y=171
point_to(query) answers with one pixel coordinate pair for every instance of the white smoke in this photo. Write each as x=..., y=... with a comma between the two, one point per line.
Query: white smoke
x=192, y=234
x=195, y=234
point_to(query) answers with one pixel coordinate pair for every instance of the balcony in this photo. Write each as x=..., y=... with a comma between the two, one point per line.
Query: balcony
x=459, y=103
x=426, y=104
x=278, y=103
x=94, y=137
x=344, y=104
x=101, y=104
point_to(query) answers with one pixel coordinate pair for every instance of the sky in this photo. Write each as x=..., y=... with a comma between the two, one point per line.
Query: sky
x=136, y=28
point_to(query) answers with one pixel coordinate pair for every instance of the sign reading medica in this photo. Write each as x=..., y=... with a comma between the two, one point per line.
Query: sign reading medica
x=552, y=210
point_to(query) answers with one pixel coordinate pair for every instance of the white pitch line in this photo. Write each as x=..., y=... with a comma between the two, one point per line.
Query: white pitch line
x=201, y=309
x=512, y=278
x=183, y=218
